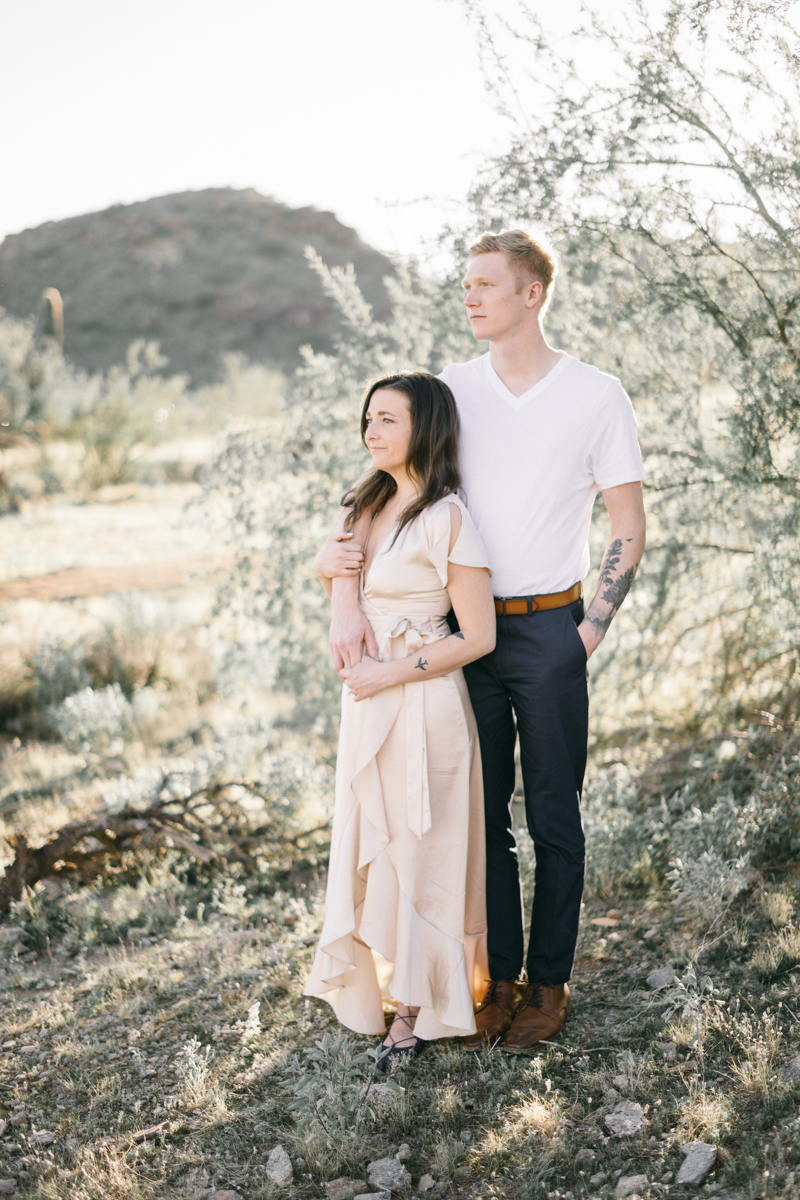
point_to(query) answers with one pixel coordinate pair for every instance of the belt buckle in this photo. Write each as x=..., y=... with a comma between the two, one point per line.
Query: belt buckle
x=532, y=605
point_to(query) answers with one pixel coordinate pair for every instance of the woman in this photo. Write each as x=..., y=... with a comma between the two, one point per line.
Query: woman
x=405, y=916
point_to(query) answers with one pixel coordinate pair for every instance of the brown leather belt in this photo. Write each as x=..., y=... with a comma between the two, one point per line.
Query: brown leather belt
x=517, y=606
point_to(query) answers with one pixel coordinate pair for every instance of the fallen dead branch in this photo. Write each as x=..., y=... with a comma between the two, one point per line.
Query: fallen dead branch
x=208, y=824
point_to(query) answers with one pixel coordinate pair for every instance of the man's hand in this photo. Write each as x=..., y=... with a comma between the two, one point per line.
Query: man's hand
x=350, y=632
x=339, y=558
x=366, y=678
x=591, y=636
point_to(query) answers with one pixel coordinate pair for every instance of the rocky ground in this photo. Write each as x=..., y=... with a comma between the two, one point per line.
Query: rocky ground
x=173, y=1065
x=154, y=1040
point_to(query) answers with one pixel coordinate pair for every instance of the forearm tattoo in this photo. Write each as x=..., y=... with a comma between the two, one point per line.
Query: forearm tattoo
x=616, y=587
x=419, y=665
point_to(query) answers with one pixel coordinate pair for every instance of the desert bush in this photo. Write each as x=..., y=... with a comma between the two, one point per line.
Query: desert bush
x=700, y=823
x=152, y=650
x=194, y=1067
x=112, y=415
x=330, y=1091
x=92, y=718
x=673, y=208
x=58, y=666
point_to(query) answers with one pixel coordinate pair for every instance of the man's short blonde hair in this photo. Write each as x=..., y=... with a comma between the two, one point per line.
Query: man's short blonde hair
x=529, y=259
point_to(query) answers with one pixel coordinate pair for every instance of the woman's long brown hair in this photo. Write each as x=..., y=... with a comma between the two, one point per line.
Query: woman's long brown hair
x=432, y=452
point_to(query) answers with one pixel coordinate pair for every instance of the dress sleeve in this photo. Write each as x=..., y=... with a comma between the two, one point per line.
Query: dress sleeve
x=468, y=550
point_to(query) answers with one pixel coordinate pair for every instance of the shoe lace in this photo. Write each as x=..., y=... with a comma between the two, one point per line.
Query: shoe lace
x=536, y=997
x=491, y=996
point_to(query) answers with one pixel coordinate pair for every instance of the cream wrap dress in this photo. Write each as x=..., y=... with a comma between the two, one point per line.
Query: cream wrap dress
x=405, y=915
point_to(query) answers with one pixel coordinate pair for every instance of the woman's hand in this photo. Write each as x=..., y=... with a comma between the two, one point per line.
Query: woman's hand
x=340, y=557
x=366, y=678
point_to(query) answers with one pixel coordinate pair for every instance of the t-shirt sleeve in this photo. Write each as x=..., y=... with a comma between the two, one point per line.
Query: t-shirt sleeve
x=614, y=455
x=468, y=550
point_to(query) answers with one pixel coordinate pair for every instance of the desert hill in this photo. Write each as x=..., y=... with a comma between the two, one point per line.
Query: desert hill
x=204, y=273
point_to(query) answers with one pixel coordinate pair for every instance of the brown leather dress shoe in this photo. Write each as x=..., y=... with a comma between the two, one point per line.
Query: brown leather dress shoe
x=494, y=1014
x=541, y=1016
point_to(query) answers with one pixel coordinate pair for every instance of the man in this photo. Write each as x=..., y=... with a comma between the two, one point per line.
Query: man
x=540, y=433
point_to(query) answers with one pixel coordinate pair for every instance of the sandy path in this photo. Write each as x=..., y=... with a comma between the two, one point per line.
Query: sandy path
x=97, y=581
x=146, y=539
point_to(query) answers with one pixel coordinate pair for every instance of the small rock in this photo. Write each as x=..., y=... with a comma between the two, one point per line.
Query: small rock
x=382, y=1195
x=426, y=1183
x=279, y=1167
x=584, y=1157
x=666, y=1178
x=389, y=1174
x=610, y=1096
x=43, y=1138
x=404, y=1153
x=225, y=1194
x=791, y=1068
x=135, y=932
x=30, y=1049
x=630, y=1185
x=698, y=1160
x=7, y=1186
x=597, y=1179
x=650, y=934
x=3, y=1127
x=661, y=978
x=626, y=1120
x=345, y=1189
x=621, y=1082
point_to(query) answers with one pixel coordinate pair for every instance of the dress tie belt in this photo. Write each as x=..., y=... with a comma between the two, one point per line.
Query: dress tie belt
x=416, y=635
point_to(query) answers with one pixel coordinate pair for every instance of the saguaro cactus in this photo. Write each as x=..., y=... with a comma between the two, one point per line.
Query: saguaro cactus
x=50, y=320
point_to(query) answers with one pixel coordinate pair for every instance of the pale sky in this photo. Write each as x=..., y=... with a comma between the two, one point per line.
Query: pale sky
x=374, y=109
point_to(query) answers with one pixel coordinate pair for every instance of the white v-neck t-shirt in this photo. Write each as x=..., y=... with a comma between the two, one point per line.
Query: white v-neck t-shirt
x=531, y=467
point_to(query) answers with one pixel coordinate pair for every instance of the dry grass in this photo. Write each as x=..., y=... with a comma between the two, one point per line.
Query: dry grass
x=705, y=1116
x=778, y=958
x=778, y=906
x=168, y=997
x=166, y=1034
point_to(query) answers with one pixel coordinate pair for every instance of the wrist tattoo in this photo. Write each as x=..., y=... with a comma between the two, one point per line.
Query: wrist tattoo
x=420, y=666
x=601, y=623
x=616, y=587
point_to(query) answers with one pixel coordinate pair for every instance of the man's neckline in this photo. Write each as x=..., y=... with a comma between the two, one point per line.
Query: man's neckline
x=520, y=401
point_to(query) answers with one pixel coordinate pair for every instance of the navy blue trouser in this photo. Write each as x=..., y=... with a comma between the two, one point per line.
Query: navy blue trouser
x=534, y=683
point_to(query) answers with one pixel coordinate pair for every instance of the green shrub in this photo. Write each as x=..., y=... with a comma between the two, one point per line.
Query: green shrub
x=330, y=1090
